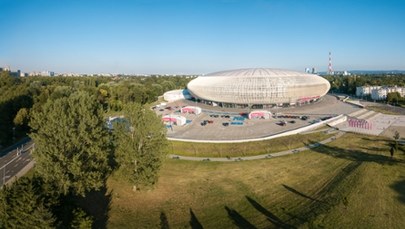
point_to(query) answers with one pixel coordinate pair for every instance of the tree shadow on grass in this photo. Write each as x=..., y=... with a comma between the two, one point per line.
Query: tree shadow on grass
x=402, y=149
x=354, y=155
x=238, y=219
x=399, y=187
x=164, y=222
x=300, y=193
x=293, y=217
x=97, y=204
x=270, y=216
x=329, y=196
x=194, y=223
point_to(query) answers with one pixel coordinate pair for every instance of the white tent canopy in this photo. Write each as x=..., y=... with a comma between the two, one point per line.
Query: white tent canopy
x=174, y=120
x=191, y=109
x=260, y=115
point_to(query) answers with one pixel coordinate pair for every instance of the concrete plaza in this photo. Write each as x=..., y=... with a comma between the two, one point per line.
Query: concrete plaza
x=215, y=129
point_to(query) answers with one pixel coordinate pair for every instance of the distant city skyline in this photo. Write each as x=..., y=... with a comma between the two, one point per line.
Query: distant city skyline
x=201, y=36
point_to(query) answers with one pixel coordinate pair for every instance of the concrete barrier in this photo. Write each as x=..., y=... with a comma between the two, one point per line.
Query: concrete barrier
x=354, y=102
x=337, y=121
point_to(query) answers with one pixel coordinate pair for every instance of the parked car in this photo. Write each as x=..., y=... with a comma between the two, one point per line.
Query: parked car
x=282, y=123
x=304, y=117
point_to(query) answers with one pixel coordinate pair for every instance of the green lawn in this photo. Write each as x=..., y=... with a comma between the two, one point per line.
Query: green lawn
x=244, y=149
x=351, y=183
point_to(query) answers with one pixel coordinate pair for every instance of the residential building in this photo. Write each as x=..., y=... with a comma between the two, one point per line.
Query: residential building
x=378, y=92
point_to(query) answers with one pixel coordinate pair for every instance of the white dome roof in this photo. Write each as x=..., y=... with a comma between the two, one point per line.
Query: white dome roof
x=258, y=86
x=258, y=72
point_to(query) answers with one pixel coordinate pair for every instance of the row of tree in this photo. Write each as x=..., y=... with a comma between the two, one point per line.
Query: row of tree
x=30, y=93
x=348, y=84
x=75, y=152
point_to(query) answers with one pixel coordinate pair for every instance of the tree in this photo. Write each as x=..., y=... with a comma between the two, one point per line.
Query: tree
x=81, y=220
x=23, y=205
x=5, y=79
x=21, y=117
x=393, y=97
x=72, y=143
x=396, y=137
x=168, y=85
x=102, y=96
x=141, y=146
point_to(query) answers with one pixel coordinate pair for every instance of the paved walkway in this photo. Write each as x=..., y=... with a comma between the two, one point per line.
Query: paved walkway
x=258, y=157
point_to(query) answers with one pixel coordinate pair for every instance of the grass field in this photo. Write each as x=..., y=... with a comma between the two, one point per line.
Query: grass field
x=351, y=183
x=385, y=110
x=244, y=149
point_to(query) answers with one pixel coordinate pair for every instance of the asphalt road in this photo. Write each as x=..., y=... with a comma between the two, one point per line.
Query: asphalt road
x=8, y=149
x=13, y=161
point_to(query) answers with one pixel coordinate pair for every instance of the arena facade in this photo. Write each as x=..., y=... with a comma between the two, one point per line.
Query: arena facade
x=258, y=88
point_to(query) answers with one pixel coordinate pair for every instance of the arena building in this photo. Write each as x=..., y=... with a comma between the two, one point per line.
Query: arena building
x=258, y=88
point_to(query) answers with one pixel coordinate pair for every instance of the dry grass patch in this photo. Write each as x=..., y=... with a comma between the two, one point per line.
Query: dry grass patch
x=345, y=184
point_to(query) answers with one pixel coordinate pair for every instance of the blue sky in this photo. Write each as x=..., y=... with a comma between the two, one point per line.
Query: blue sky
x=200, y=36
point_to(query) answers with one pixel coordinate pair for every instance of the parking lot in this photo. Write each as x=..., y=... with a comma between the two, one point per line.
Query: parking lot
x=216, y=123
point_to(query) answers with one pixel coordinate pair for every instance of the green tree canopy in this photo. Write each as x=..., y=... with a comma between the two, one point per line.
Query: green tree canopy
x=22, y=205
x=141, y=146
x=21, y=117
x=81, y=220
x=71, y=143
x=393, y=97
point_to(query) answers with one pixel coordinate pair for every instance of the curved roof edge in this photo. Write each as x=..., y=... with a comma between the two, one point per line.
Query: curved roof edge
x=249, y=72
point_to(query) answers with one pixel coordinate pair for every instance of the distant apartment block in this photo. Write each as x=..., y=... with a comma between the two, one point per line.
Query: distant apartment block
x=365, y=90
x=43, y=73
x=17, y=73
x=378, y=92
